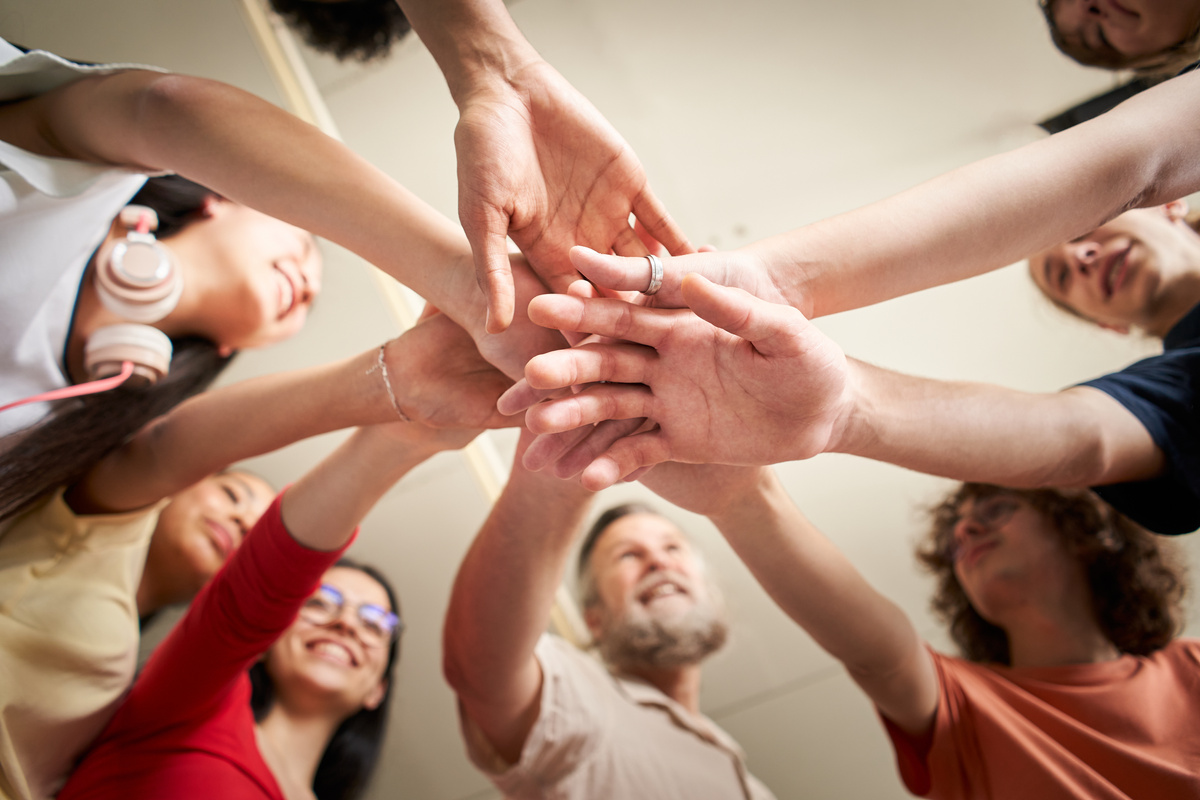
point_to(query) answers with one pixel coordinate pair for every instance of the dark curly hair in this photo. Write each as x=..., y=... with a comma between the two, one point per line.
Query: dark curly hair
x=1137, y=585
x=1157, y=66
x=360, y=30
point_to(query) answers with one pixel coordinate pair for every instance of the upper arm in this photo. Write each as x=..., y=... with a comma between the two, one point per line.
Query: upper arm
x=908, y=695
x=1117, y=444
x=95, y=118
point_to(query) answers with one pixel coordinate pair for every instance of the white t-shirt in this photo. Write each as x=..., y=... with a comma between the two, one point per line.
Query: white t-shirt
x=54, y=213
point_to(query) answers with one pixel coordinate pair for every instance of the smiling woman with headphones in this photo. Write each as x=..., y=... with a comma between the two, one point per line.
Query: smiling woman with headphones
x=76, y=143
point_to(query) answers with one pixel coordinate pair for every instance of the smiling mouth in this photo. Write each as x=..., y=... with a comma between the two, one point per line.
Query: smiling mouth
x=333, y=651
x=287, y=293
x=661, y=590
x=1114, y=273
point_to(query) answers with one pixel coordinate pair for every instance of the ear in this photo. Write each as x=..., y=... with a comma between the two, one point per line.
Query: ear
x=1176, y=209
x=591, y=617
x=214, y=206
x=376, y=695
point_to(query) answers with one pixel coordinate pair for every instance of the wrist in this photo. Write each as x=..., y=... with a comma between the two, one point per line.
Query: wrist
x=852, y=424
x=746, y=507
x=487, y=65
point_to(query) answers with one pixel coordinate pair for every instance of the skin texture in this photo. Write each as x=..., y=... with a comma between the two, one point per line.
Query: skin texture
x=333, y=662
x=536, y=161
x=197, y=532
x=1131, y=29
x=500, y=603
x=437, y=376
x=779, y=389
x=1140, y=270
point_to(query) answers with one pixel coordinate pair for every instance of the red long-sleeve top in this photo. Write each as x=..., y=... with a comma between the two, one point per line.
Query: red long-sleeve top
x=186, y=729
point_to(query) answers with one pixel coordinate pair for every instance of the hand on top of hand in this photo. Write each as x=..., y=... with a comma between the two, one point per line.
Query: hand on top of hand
x=539, y=164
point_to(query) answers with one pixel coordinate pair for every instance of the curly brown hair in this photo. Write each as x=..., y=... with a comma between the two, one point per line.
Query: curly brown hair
x=1137, y=582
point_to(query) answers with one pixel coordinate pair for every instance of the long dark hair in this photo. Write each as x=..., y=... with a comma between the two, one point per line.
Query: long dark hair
x=350, y=757
x=80, y=431
x=1136, y=585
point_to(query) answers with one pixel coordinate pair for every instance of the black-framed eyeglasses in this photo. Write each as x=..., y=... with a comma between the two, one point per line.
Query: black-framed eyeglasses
x=379, y=625
x=989, y=513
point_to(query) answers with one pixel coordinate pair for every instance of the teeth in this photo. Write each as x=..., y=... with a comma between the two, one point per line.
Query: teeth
x=663, y=590
x=289, y=296
x=335, y=650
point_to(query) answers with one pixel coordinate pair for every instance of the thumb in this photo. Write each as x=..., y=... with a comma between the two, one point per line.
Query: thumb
x=773, y=329
x=489, y=248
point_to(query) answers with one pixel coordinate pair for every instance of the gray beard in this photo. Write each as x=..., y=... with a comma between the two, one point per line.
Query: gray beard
x=640, y=640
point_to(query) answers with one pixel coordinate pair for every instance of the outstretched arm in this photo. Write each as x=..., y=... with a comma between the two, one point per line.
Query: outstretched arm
x=536, y=160
x=501, y=600
x=813, y=582
x=278, y=164
x=436, y=375
x=977, y=218
x=761, y=385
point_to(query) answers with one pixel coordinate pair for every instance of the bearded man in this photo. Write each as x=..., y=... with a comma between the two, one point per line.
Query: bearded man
x=544, y=719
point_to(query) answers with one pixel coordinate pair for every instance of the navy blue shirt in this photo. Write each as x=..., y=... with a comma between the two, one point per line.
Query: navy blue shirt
x=1162, y=393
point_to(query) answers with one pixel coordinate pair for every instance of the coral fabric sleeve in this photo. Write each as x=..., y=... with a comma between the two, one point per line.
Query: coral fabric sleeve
x=193, y=696
x=1111, y=731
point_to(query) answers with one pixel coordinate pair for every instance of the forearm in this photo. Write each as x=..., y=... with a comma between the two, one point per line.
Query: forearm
x=991, y=434
x=475, y=42
x=818, y=587
x=217, y=428
x=269, y=160
x=996, y=211
x=322, y=509
x=502, y=596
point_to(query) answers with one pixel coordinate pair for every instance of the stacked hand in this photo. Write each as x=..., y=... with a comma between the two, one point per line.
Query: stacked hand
x=538, y=163
x=734, y=380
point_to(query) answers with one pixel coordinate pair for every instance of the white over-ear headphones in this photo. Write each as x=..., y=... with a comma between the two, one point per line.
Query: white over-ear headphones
x=136, y=278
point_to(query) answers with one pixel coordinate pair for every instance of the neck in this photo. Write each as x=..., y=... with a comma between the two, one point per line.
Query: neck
x=1183, y=295
x=293, y=743
x=1057, y=633
x=153, y=595
x=681, y=684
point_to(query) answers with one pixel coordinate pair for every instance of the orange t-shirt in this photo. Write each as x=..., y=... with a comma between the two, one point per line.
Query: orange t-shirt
x=1118, y=730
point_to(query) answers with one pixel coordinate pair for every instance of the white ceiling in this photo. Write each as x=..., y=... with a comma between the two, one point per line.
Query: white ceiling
x=751, y=118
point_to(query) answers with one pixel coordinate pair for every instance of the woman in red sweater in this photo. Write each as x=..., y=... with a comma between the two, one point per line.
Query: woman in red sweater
x=319, y=639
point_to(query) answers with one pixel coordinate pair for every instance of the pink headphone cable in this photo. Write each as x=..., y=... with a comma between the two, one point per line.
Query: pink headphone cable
x=91, y=387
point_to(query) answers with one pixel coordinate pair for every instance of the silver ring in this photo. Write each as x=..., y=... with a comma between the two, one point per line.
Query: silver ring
x=656, y=275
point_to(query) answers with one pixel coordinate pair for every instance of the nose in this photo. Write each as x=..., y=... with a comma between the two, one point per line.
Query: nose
x=1083, y=255
x=966, y=528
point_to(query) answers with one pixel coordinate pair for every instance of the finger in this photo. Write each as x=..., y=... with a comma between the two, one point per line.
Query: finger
x=624, y=458
x=629, y=274
x=628, y=243
x=576, y=458
x=518, y=397
x=487, y=232
x=653, y=216
x=589, y=363
x=615, y=319
x=652, y=244
x=595, y=404
x=773, y=329
x=546, y=449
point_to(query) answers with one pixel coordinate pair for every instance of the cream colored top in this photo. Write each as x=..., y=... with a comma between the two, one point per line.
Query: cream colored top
x=68, y=636
x=604, y=737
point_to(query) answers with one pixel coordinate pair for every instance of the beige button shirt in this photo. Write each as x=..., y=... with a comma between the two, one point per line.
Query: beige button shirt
x=604, y=737
x=68, y=636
